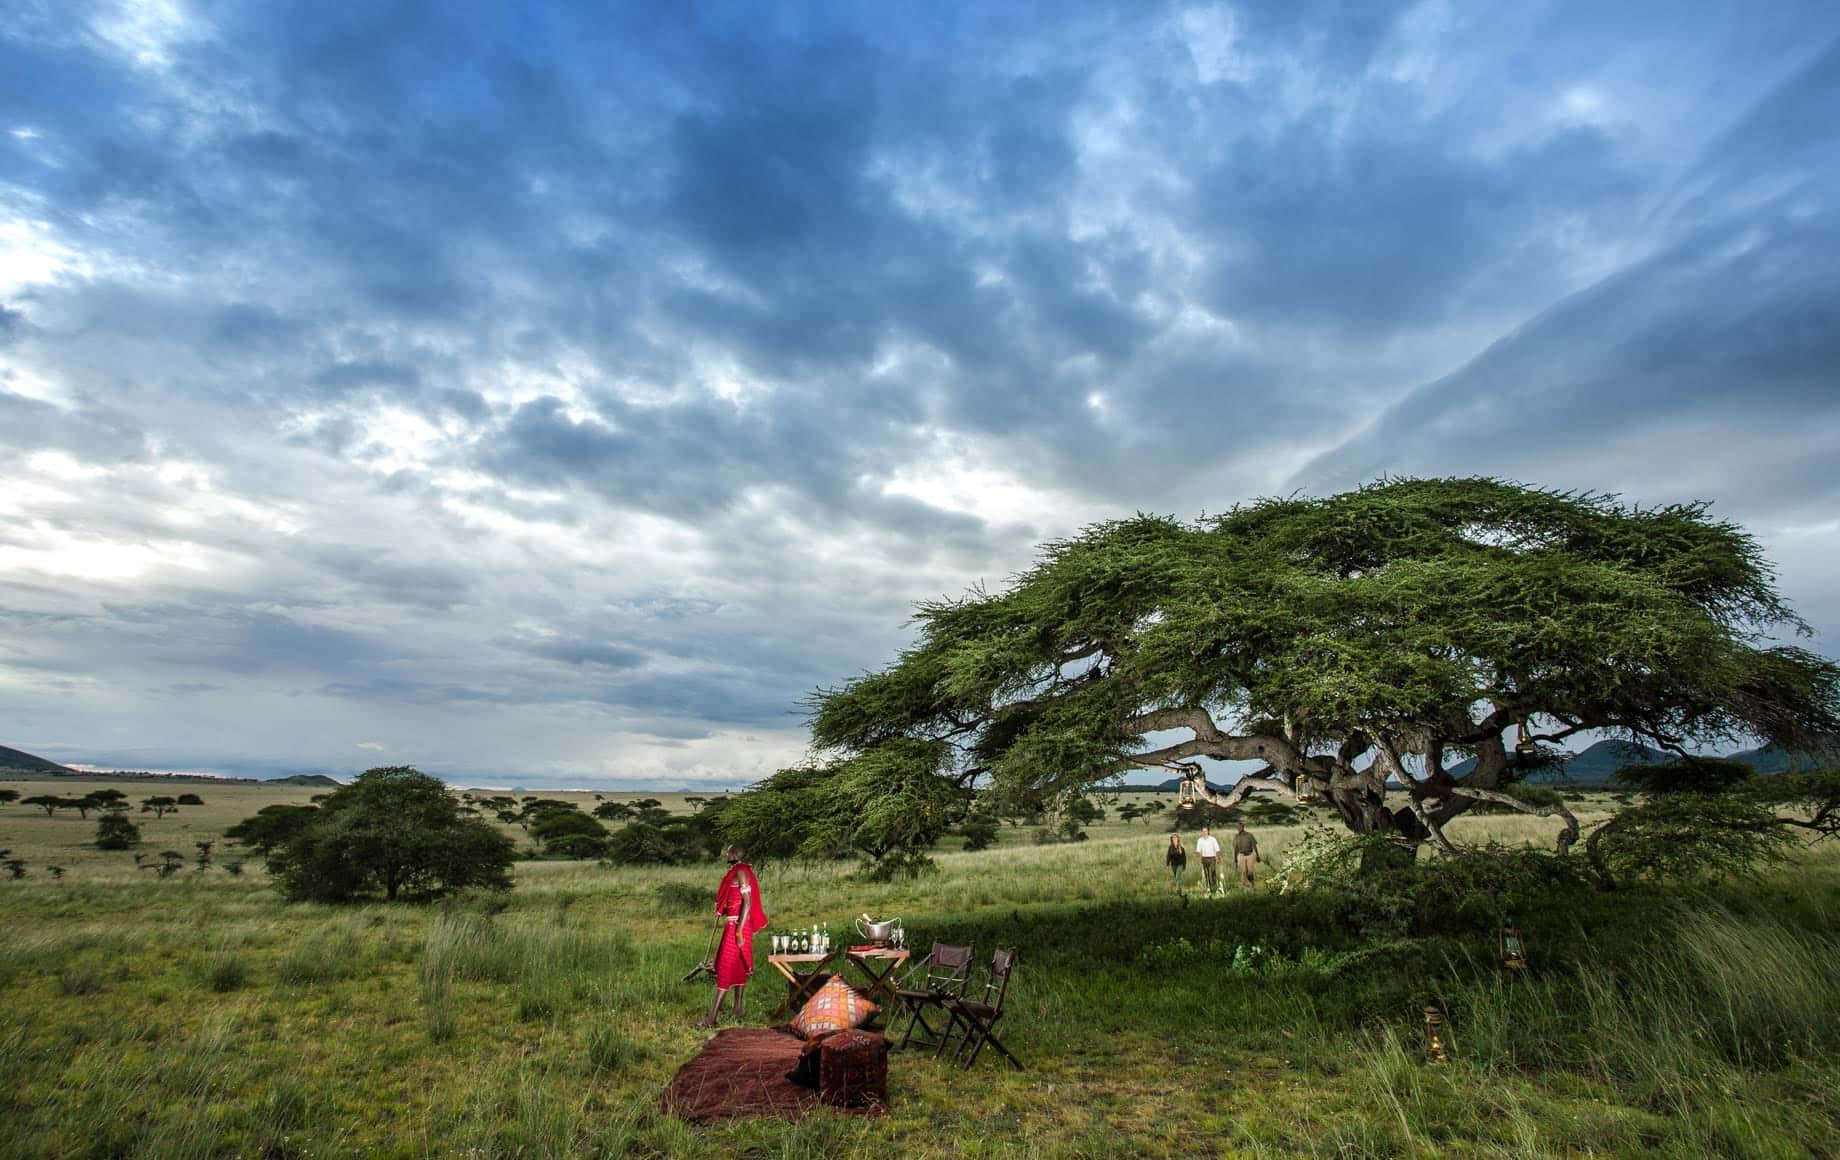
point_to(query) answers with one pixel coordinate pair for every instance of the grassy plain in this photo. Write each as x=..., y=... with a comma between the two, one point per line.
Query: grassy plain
x=201, y=1015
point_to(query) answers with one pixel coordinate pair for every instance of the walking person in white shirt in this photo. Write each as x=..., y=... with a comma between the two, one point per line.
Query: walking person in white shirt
x=1207, y=847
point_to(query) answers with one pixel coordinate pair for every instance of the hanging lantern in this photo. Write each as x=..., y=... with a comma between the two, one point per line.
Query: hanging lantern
x=1526, y=746
x=1306, y=793
x=1513, y=949
x=1437, y=1048
x=1186, y=794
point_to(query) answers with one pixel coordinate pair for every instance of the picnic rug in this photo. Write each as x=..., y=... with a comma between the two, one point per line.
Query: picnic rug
x=741, y=1073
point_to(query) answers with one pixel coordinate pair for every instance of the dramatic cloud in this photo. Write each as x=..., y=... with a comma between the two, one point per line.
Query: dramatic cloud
x=560, y=396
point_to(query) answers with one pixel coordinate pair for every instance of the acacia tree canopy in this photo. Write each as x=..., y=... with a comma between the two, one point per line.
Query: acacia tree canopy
x=393, y=831
x=1360, y=645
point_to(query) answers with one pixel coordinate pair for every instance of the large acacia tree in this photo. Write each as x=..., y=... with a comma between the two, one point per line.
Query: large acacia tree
x=1404, y=651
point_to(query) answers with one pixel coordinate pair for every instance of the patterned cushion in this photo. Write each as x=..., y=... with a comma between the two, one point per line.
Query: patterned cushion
x=835, y=1007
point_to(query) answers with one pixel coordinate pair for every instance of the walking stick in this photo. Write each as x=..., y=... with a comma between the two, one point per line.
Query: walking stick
x=708, y=963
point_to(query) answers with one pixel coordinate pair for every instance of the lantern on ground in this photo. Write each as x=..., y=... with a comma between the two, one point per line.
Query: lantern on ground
x=1437, y=1046
x=1513, y=949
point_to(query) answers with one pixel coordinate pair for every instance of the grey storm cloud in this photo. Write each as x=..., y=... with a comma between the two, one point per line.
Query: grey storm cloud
x=582, y=385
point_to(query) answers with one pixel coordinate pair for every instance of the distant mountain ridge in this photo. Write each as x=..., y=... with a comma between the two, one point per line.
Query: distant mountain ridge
x=18, y=765
x=19, y=761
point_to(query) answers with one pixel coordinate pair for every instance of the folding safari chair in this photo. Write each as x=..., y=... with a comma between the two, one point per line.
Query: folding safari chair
x=941, y=975
x=977, y=1018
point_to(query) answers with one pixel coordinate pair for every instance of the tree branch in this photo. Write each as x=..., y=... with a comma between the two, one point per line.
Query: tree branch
x=1389, y=760
x=1567, y=835
x=1242, y=789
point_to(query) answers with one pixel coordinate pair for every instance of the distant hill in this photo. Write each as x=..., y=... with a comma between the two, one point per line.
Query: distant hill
x=1596, y=765
x=318, y=779
x=1775, y=759
x=1592, y=767
x=19, y=761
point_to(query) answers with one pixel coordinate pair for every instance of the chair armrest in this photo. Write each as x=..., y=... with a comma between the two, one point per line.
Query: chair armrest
x=915, y=970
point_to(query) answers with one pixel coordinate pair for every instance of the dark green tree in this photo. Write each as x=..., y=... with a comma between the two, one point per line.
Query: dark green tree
x=49, y=802
x=8, y=796
x=1361, y=646
x=159, y=805
x=980, y=829
x=271, y=828
x=107, y=799
x=884, y=805
x=395, y=832
x=189, y=799
x=115, y=832
x=1703, y=818
x=569, y=833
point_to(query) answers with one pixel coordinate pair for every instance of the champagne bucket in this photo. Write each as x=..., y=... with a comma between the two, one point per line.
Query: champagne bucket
x=875, y=932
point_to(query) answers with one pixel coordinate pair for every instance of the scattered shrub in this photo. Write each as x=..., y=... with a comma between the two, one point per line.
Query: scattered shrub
x=116, y=832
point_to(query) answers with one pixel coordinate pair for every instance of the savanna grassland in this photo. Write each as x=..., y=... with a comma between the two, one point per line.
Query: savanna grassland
x=201, y=1015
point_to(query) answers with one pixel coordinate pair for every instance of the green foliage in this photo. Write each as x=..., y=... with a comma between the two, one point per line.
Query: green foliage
x=656, y=837
x=1811, y=800
x=1688, y=775
x=270, y=830
x=49, y=802
x=1687, y=838
x=1308, y=629
x=189, y=799
x=886, y=803
x=393, y=831
x=979, y=829
x=159, y=805
x=8, y=796
x=569, y=833
x=116, y=832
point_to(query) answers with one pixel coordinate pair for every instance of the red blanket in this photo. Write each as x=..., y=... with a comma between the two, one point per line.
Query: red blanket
x=742, y=1073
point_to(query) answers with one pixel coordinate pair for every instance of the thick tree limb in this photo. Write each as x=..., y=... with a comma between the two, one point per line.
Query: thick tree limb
x=1242, y=789
x=1567, y=835
x=1389, y=760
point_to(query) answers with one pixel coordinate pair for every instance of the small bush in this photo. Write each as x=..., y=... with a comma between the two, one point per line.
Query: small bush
x=116, y=832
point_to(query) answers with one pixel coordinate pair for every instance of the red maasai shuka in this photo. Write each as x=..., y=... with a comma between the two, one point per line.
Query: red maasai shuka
x=735, y=958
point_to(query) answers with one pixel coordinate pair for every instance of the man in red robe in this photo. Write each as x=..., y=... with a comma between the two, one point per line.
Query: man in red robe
x=744, y=915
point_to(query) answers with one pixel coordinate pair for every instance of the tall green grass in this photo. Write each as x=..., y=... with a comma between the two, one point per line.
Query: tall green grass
x=547, y=1021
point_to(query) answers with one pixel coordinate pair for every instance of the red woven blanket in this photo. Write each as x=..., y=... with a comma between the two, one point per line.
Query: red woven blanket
x=741, y=1073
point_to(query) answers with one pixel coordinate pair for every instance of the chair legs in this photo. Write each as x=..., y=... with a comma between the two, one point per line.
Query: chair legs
x=916, y=1017
x=976, y=1033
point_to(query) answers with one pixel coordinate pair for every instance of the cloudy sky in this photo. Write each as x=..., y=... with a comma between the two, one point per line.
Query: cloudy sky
x=558, y=394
